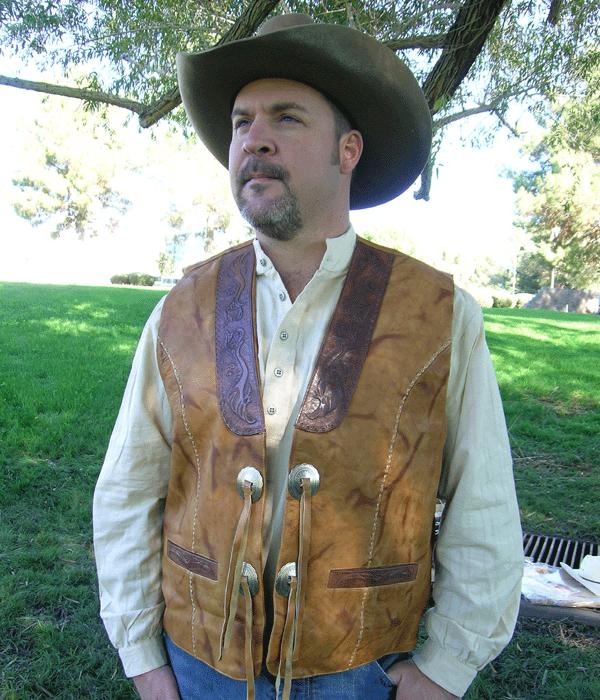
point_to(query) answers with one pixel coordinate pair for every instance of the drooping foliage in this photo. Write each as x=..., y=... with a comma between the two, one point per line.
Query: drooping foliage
x=533, y=50
x=559, y=199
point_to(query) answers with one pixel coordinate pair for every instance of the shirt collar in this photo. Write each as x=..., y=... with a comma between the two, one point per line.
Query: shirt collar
x=336, y=259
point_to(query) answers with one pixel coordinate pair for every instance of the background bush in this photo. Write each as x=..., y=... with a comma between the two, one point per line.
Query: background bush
x=138, y=278
x=502, y=302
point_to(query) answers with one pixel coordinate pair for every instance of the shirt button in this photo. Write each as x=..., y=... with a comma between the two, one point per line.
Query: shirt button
x=263, y=262
x=282, y=296
x=278, y=372
x=284, y=335
x=271, y=410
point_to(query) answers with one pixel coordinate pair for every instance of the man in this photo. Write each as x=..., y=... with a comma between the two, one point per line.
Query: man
x=300, y=401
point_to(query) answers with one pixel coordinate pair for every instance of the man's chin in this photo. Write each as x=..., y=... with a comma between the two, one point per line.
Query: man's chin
x=262, y=207
x=277, y=222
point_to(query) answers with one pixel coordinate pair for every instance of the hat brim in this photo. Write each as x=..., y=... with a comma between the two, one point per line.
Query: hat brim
x=365, y=79
x=590, y=585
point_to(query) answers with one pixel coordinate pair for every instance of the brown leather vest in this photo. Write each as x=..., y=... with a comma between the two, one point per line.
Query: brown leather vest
x=372, y=422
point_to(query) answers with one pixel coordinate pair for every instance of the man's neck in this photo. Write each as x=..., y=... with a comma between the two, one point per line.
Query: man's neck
x=297, y=260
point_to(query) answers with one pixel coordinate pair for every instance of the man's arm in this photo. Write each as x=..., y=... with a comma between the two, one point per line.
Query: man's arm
x=158, y=684
x=128, y=508
x=478, y=557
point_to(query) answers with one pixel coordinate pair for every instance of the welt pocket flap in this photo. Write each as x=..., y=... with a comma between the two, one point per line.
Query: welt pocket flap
x=196, y=563
x=369, y=576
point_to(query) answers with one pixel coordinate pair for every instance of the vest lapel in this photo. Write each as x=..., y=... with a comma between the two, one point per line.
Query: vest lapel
x=235, y=340
x=347, y=341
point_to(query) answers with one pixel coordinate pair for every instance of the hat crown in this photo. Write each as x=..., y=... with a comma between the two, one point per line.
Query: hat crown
x=590, y=568
x=292, y=19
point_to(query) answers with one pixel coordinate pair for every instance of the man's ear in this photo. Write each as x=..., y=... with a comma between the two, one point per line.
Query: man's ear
x=351, y=147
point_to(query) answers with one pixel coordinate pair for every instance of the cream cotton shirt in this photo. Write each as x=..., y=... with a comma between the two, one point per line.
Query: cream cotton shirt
x=478, y=554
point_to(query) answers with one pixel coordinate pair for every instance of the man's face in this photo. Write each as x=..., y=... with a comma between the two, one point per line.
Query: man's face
x=282, y=172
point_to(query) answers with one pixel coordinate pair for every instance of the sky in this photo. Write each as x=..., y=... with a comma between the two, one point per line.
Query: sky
x=471, y=210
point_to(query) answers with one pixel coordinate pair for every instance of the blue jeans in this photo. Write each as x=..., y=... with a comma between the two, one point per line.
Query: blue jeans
x=198, y=681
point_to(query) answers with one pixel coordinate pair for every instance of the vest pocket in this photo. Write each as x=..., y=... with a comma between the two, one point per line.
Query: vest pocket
x=367, y=577
x=196, y=563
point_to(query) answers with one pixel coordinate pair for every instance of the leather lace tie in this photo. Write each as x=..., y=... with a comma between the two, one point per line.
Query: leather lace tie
x=292, y=629
x=234, y=572
x=248, y=655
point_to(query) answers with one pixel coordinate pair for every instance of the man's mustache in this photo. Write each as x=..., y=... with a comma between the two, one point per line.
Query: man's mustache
x=255, y=167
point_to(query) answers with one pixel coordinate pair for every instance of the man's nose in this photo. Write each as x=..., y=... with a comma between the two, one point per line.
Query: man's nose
x=258, y=139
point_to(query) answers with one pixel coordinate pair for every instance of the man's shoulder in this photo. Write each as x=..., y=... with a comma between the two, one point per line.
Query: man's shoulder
x=196, y=277
x=467, y=312
x=199, y=267
x=417, y=265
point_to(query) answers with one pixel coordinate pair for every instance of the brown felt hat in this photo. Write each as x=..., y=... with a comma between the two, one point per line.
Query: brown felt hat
x=366, y=80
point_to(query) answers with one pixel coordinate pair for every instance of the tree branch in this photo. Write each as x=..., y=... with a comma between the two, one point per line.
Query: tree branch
x=510, y=127
x=77, y=93
x=448, y=119
x=425, y=188
x=433, y=41
x=254, y=15
x=554, y=13
x=464, y=43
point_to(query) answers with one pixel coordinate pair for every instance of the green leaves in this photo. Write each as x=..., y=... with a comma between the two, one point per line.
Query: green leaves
x=559, y=201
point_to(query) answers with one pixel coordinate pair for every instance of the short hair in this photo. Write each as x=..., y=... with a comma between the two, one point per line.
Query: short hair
x=341, y=122
x=341, y=126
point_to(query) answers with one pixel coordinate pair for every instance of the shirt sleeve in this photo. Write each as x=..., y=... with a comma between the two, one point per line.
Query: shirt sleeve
x=479, y=555
x=128, y=508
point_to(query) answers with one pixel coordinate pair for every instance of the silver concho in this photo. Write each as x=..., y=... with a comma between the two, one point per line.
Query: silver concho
x=252, y=475
x=284, y=578
x=250, y=573
x=299, y=472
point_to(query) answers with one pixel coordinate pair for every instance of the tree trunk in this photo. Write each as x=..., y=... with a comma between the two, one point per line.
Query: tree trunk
x=253, y=16
x=465, y=40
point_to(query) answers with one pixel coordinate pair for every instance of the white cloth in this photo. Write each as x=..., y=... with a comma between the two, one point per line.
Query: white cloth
x=478, y=555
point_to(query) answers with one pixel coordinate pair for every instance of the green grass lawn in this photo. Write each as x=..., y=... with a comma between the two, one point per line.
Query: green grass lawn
x=548, y=367
x=65, y=354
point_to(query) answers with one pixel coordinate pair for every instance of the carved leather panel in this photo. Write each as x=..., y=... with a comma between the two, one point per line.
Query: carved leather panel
x=237, y=376
x=347, y=341
x=196, y=563
x=372, y=576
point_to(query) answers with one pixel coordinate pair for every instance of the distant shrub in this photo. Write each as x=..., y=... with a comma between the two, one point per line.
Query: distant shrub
x=141, y=279
x=502, y=302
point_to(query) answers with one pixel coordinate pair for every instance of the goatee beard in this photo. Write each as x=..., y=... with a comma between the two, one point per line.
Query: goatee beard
x=279, y=219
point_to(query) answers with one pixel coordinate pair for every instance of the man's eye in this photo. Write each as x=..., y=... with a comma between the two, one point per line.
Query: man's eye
x=288, y=118
x=240, y=123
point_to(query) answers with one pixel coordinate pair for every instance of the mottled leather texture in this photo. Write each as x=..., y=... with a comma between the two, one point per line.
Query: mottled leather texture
x=196, y=563
x=203, y=506
x=237, y=373
x=374, y=576
x=379, y=471
x=347, y=340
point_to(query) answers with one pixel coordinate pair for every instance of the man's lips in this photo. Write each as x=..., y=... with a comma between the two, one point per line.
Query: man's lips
x=260, y=178
x=260, y=173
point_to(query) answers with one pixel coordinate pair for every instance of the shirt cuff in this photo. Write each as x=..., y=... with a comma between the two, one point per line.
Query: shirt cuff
x=444, y=669
x=144, y=656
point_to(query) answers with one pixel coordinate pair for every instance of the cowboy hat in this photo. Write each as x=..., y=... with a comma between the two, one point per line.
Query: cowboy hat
x=363, y=78
x=588, y=574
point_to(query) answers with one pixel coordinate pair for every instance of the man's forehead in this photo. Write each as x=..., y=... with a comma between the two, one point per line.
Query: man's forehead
x=278, y=90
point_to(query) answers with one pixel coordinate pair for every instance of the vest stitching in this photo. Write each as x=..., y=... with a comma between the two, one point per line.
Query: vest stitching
x=388, y=463
x=197, y=460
